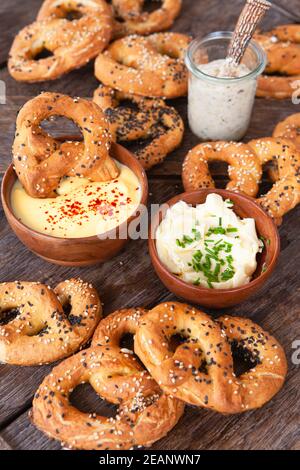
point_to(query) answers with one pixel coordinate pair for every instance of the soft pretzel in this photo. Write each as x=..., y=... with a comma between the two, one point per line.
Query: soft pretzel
x=151, y=66
x=151, y=120
x=244, y=169
x=200, y=370
x=72, y=43
x=289, y=128
x=131, y=19
x=282, y=46
x=41, y=161
x=34, y=328
x=144, y=414
x=285, y=193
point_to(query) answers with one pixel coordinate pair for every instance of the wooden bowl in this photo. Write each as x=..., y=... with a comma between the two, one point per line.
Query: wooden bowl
x=244, y=206
x=75, y=251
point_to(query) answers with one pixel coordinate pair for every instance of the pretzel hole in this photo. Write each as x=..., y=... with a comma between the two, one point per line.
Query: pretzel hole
x=86, y=400
x=43, y=54
x=6, y=316
x=219, y=171
x=175, y=341
x=73, y=15
x=243, y=358
x=152, y=5
x=62, y=128
x=127, y=343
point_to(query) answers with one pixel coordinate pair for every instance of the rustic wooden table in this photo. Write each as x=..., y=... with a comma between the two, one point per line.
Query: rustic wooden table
x=129, y=279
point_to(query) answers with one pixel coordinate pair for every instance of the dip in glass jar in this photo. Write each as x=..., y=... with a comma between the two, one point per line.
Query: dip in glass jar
x=221, y=95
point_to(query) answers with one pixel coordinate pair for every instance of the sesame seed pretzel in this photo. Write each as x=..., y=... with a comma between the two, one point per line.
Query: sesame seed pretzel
x=149, y=66
x=39, y=331
x=200, y=370
x=41, y=161
x=289, y=128
x=282, y=46
x=136, y=21
x=244, y=170
x=285, y=192
x=72, y=43
x=152, y=119
x=144, y=415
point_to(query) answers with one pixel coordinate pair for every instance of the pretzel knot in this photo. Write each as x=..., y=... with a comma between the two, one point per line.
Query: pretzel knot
x=72, y=43
x=200, y=370
x=151, y=66
x=131, y=19
x=282, y=46
x=151, y=120
x=41, y=161
x=34, y=328
x=245, y=170
x=145, y=413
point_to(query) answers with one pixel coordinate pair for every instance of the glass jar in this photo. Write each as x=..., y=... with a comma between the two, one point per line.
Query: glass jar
x=220, y=107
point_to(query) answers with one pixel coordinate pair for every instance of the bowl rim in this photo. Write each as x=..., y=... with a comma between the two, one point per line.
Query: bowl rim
x=143, y=180
x=199, y=289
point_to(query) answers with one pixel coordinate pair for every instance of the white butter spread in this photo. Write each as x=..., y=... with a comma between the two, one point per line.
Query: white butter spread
x=208, y=245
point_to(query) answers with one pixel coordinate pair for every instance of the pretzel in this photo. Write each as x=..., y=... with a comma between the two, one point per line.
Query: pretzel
x=152, y=119
x=34, y=329
x=72, y=43
x=289, y=128
x=200, y=370
x=131, y=19
x=151, y=66
x=144, y=415
x=41, y=161
x=282, y=46
x=285, y=193
x=244, y=169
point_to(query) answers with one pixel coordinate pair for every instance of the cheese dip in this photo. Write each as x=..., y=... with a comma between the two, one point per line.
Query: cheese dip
x=208, y=245
x=82, y=208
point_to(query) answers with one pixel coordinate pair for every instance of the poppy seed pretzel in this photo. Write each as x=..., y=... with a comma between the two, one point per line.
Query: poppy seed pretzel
x=41, y=161
x=136, y=21
x=282, y=46
x=144, y=414
x=200, y=370
x=72, y=43
x=151, y=66
x=41, y=332
x=151, y=120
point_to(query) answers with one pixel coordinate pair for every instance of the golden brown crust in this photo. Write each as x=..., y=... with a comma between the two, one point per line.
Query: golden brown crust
x=244, y=167
x=200, y=370
x=282, y=45
x=41, y=332
x=150, y=66
x=136, y=21
x=72, y=43
x=144, y=414
x=289, y=128
x=151, y=120
x=41, y=161
x=285, y=193
x=245, y=170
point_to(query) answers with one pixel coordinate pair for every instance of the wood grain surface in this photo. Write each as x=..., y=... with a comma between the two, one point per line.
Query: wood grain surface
x=129, y=279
